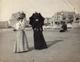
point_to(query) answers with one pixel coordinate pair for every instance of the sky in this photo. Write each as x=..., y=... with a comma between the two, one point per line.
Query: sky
x=46, y=7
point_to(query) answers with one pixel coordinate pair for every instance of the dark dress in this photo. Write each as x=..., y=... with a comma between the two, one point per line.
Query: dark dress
x=37, y=21
x=64, y=28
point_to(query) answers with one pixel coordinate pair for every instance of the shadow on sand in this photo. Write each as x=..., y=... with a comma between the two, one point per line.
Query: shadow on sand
x=50, y=43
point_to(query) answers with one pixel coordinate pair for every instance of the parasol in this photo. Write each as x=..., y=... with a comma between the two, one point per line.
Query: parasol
x=14, y=18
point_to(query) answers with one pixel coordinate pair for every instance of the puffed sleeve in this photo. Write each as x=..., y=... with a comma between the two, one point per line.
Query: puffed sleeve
x=17, y=26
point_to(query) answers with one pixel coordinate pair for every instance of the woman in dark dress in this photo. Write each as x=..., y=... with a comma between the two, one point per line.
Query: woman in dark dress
x=37, y=21
x=64, y=27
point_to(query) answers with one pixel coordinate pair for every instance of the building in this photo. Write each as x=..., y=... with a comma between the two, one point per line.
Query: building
x=63, y=16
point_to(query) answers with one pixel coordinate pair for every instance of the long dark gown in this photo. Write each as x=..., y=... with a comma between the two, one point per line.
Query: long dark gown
x=39, y=41
x=64, y=28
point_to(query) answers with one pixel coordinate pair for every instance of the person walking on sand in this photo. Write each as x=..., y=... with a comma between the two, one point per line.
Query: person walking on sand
x=21, y=44
x=37, y=21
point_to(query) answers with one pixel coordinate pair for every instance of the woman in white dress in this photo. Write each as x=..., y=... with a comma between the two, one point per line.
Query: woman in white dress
x=21, y=44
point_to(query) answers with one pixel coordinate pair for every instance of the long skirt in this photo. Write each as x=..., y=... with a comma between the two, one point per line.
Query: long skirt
x=39, y=41
x=21, y=43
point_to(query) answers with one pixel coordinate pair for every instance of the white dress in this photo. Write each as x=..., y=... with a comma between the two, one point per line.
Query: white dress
x=21, y=43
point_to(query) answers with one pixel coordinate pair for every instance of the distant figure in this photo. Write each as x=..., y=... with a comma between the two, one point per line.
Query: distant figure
x=37, y=21
x=63, y=27
x=21, y=44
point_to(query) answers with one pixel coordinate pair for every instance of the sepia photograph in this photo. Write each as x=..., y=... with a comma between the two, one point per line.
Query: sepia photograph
x=39, y=30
